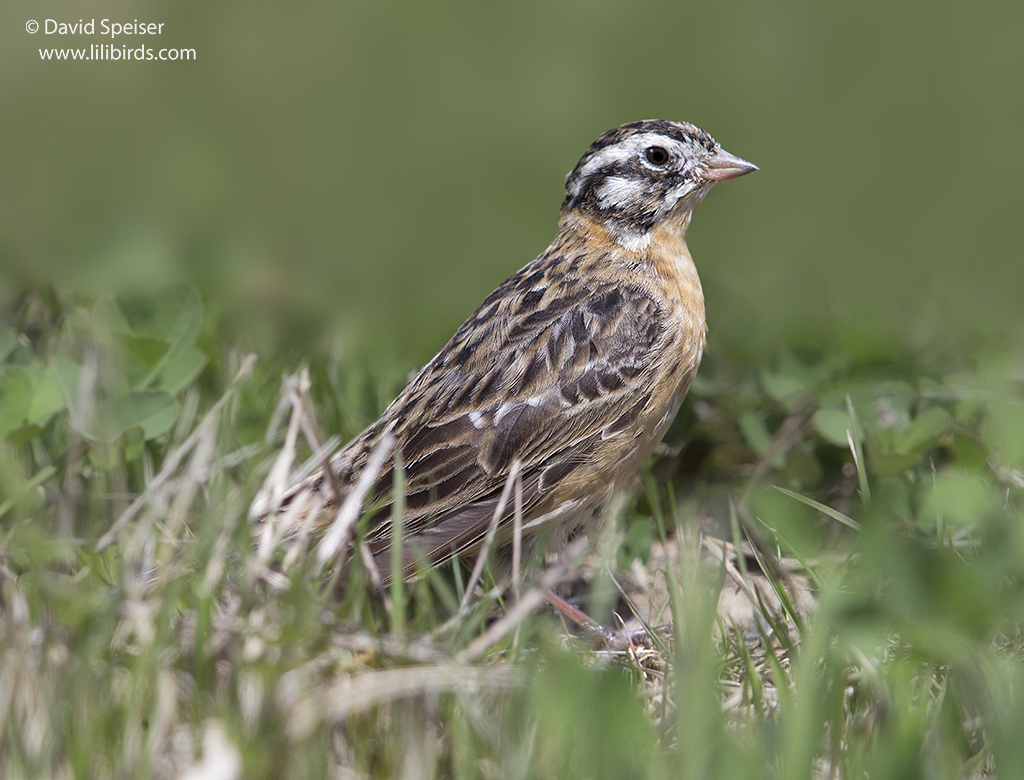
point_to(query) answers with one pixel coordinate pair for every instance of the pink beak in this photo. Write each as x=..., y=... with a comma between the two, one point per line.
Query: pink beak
x=727, y=166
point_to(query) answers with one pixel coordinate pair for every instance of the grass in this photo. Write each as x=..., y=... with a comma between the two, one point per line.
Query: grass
x=837, y=548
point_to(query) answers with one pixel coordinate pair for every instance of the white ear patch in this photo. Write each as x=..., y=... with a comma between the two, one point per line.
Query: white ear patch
x=618, y=190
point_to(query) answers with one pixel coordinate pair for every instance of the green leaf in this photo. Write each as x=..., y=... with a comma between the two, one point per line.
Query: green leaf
x=133, y=443
x=1005, y=431
x=755, y=432
x=106, y=319
x=38, y=479
x=884, y=462
x=147, y=350
x=22, y=435
x=889, y=464
x=174, y=313
x=15, y=398
x=783, y=388
x=893, y=396
x=175, y=316
x=181, y=370
x=884, y=402
x=960, y=499
x=832, y=425
x=152, y=410
x=886, y=439
x=46, y=396
x=924, y=430
x=29, y=396
x=968, y=451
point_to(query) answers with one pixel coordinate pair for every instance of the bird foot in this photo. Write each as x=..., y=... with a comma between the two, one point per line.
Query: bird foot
x=616, y=639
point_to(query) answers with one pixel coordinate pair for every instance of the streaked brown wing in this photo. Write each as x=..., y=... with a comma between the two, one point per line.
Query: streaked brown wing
x=545, y=372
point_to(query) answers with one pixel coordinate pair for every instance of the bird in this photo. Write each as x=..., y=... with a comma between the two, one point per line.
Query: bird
x=568, y=374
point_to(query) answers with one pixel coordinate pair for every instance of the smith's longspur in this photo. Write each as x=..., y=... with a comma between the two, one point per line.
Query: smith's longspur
x=574, y=367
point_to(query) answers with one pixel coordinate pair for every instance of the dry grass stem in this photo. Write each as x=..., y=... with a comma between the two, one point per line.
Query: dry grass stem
x=360, y=692
x=339, y=532
x=485, y=548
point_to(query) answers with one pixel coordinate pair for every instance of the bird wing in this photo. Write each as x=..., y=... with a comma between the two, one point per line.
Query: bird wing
x=546, y=373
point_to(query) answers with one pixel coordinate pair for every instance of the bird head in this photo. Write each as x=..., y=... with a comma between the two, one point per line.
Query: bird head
x=635, y=177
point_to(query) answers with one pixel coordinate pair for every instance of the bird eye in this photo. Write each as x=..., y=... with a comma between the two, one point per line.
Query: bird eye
x=656, y=155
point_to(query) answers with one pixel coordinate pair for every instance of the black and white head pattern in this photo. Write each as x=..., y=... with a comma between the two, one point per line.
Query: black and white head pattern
x=633, y=176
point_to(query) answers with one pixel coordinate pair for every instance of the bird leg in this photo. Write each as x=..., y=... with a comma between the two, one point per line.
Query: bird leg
x=613, y=638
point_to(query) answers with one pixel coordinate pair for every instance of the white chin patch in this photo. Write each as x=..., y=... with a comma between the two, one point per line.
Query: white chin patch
x=629, y=239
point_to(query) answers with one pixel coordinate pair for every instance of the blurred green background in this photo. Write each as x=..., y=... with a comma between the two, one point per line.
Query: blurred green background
x=338, y=174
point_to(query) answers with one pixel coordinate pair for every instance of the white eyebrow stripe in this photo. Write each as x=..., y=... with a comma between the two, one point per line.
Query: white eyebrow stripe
x=626, y=149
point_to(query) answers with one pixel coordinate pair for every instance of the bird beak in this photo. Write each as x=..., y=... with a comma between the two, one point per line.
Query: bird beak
x=724, y=166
